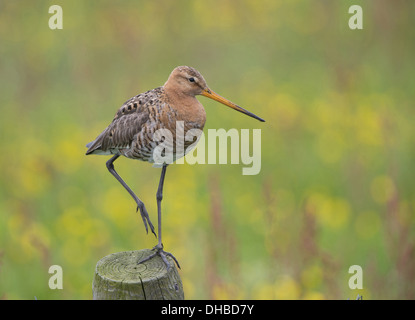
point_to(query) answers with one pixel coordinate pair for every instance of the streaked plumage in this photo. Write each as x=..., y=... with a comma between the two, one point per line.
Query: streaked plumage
x=131, y=132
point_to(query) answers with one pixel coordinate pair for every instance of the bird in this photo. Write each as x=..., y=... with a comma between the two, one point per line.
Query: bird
x=132, y=132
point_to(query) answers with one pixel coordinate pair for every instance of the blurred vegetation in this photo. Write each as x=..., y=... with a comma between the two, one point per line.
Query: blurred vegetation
x=338, y=148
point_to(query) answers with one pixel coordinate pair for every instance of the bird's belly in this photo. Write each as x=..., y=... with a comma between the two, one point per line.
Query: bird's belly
x=161, y=144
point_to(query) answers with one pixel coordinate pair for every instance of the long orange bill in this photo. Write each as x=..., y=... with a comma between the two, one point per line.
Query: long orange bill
x=214, y=96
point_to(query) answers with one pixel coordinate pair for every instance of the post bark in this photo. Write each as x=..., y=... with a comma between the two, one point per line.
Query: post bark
x=118, y=276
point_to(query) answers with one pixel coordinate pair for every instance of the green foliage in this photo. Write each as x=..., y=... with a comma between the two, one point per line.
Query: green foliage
x=336, y=186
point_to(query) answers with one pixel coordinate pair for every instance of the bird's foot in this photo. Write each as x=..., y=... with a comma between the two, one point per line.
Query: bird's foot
x=163, y=254
x=146, y=218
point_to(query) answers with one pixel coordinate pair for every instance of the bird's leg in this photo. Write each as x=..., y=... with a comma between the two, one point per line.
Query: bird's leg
x=159, y=247
x=140, y=204
x=159, y=197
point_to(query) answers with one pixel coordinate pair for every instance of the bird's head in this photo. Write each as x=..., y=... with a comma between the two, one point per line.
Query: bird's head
x=188, y=81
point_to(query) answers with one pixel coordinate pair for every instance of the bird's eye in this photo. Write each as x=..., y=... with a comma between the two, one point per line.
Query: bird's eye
x=192, y=79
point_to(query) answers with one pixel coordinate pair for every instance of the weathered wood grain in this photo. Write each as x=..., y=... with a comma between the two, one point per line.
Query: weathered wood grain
x=119, y=277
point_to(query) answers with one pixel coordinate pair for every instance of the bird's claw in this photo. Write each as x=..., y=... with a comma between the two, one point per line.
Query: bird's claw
x=163, y=254
x=146, y=218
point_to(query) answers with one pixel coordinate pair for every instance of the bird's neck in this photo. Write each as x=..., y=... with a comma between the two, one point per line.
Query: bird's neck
x=179, y=99
x=188, y=108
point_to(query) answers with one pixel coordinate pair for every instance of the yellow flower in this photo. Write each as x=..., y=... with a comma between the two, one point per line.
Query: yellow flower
x=287, y=288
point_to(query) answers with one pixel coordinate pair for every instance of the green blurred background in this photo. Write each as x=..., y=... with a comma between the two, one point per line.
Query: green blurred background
x=336, y=187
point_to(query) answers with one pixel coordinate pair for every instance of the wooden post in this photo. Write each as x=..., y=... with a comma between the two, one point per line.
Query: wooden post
x=119, y=277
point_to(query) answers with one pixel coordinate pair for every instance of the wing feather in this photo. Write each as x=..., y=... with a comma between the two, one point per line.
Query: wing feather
x=129, y=120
